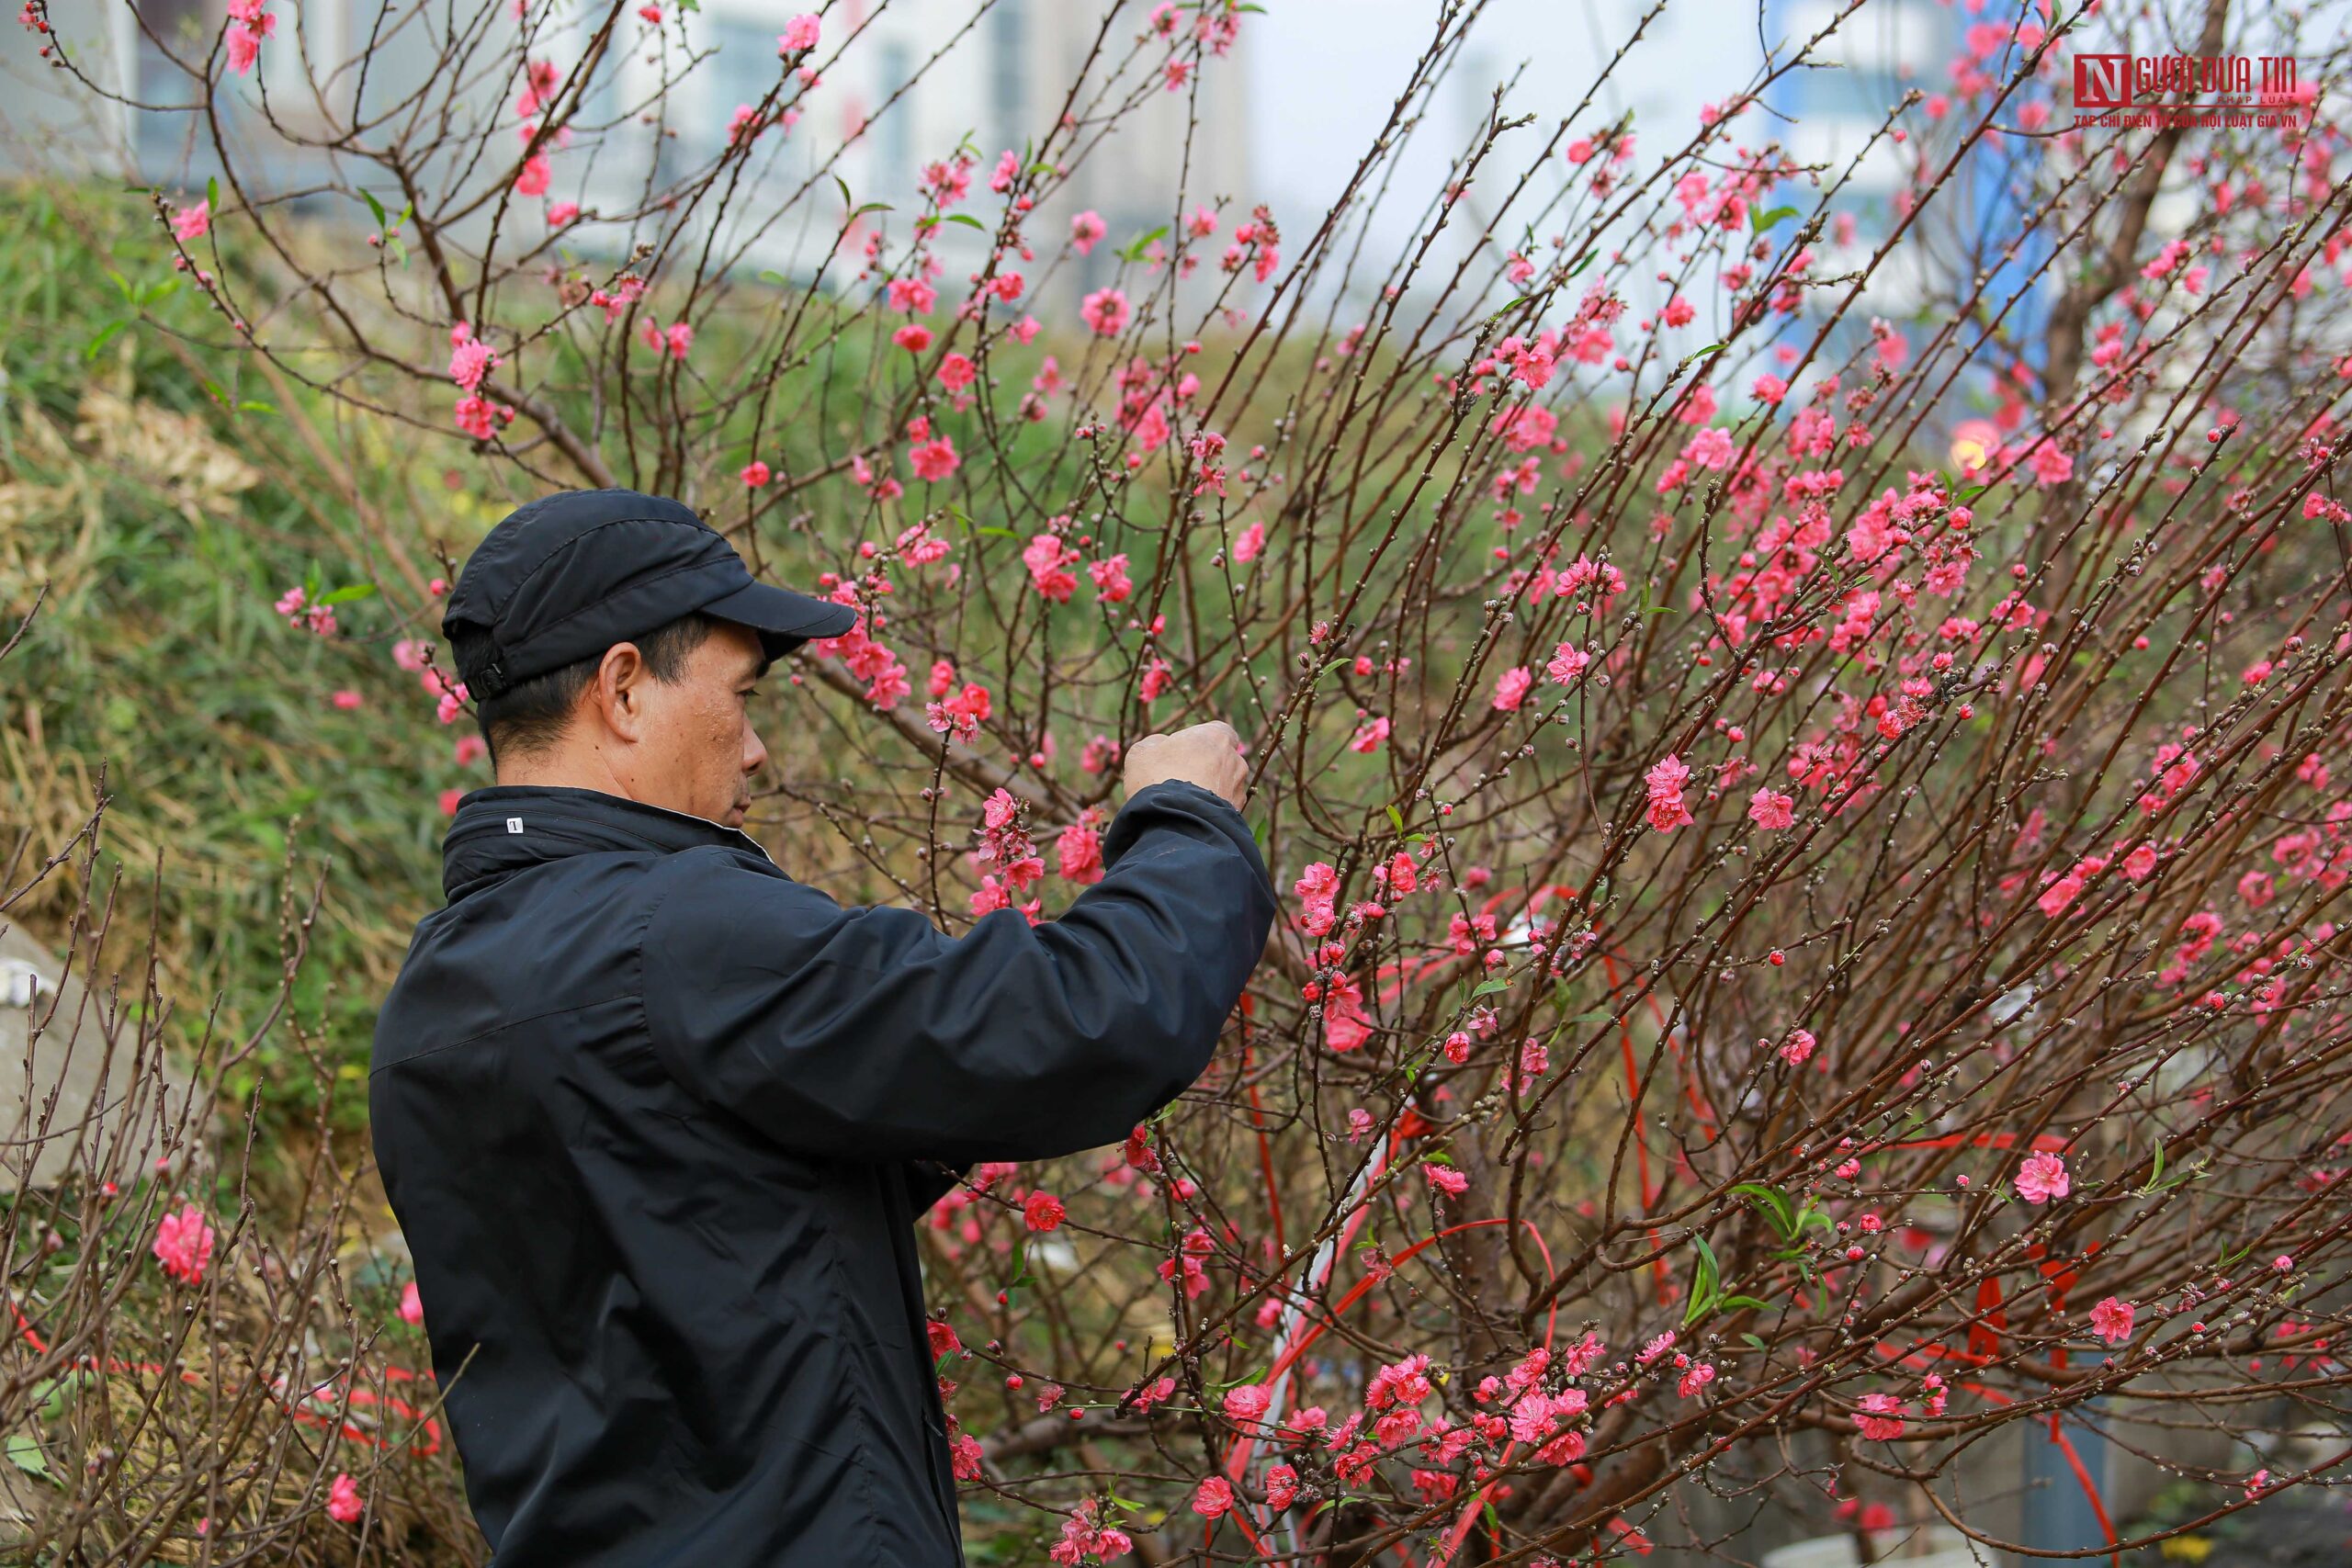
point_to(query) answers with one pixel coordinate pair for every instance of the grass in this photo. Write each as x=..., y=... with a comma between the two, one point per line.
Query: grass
x=164, y=529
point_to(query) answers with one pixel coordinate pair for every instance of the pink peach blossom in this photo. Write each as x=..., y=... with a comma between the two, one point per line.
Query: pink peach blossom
x=2042, y=1178
x=183, y=1244
x=1106, y=311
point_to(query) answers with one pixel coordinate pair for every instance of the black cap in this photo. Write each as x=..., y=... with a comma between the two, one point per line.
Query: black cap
x=567, y=576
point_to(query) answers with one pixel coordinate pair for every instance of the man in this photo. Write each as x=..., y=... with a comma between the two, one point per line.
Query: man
x=658, y=1121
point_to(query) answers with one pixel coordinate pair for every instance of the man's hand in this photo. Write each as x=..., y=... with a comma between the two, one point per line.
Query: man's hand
x=1205, y=754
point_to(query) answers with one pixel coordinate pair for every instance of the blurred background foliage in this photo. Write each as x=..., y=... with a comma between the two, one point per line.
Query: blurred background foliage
x=165, y=513
x=156, y=522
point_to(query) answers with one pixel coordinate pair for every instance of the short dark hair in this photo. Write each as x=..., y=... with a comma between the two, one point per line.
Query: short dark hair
x=532, y=713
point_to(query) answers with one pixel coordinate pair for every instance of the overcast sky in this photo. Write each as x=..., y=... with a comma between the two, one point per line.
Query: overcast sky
x=1326, y=73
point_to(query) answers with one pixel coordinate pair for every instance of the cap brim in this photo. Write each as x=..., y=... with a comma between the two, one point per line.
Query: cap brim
x=784, y=620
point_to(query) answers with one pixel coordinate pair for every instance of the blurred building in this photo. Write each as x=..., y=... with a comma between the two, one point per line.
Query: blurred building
x=1980, y=225
x=920, y=79
x=917, y=79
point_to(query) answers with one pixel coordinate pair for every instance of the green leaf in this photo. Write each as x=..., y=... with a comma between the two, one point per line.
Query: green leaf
x=348, y=592
x=1396, y=817
x=968, y=221
x=1775, y=1206
x=1259, y=1376
x=213, y=191
x=382, y=222
x=99, y=342
x=1971, y=493
x=1583, y=262
x=1141, y=242
x=770, y=275
x=1755, y=1343
x=1709, y=1268
x=24, y=1452
x=874, y=207
x=847, y=200
x=1729, y=1302
x=1487, y=988
x=1760, y=221
x=1507, y=310
x=156, y=291
x=1326, y=671
x=1706, y=1283
x=993, y=531
x=49, y=1394
x=253, y=406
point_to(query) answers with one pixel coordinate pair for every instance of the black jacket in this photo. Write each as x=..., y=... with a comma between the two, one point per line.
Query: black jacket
x=658, y=1121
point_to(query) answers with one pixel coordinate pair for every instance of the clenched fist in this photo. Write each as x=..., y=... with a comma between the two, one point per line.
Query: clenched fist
x=1205, y=754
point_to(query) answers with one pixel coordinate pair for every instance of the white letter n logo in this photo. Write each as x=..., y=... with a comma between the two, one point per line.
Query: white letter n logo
x=2102, y=81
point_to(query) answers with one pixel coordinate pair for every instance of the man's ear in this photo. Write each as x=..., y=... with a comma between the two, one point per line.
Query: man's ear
x=618, y=691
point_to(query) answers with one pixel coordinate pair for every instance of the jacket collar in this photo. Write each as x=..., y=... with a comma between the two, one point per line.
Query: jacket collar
x=484, y=844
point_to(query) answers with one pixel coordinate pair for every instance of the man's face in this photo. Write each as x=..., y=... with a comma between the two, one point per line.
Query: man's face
x=700, y=747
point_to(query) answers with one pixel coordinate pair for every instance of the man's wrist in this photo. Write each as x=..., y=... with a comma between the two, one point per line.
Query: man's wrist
x=1192, y=785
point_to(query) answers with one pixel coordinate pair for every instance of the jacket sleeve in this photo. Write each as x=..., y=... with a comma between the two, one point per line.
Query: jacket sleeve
x=928, y=1182
x=865, y=1034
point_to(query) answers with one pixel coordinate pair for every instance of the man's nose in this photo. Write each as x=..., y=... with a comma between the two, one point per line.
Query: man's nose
x=754, y=753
